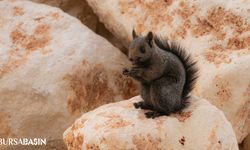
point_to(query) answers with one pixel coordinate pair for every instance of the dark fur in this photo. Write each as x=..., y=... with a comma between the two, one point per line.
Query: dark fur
x=188, y=63
x=166, y=72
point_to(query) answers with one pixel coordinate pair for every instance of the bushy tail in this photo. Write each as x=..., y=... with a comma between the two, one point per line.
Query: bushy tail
x=188, y=63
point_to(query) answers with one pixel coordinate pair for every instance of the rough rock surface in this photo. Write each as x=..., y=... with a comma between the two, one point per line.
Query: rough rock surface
x=53, y=68
x=76, y=8
x=81, y=10
x=217, y=33
x=55, y=3
x=119, y=126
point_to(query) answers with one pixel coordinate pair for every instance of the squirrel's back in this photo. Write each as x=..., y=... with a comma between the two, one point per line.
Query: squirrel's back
x=191, y=71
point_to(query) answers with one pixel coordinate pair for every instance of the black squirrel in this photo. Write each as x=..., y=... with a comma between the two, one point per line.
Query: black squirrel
x=166, y=72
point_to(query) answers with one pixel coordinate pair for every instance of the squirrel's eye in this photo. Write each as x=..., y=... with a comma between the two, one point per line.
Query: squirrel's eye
x=142, y=49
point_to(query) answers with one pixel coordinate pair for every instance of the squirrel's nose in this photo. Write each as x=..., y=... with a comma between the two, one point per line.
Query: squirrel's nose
x=131, y=59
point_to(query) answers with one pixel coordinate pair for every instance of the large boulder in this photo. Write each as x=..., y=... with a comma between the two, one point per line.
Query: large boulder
x=76, y=8
x=55, y=3
x=216, y=32
x=52, y=69
x=81, y=10
x=119, y=126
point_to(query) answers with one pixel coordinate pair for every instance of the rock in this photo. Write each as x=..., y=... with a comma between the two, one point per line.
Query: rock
x=55, y=3
x=76, y=8
x=121, y=126
x=81, y=10
x=217, y=33
x=52, y=69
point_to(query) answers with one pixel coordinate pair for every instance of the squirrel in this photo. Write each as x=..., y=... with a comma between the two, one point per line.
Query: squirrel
x=165, y=71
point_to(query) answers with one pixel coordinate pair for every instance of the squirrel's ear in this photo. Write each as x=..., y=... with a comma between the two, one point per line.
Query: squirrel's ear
x=134, y=34
x=149, y=38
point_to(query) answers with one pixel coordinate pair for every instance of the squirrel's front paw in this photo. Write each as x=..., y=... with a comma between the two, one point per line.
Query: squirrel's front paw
x=125, y=71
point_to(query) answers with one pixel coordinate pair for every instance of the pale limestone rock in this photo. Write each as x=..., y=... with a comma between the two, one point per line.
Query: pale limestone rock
x=216, y=32
x=55, y=3
x=53, y=68
x=76, y=8
x=119, y=126
x=81, y=10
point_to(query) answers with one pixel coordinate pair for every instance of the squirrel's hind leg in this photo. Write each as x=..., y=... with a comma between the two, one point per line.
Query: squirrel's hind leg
x=165, y=96
x=154, y=114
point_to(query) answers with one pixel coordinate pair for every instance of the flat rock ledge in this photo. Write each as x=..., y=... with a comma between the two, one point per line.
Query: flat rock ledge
x=119, y=126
